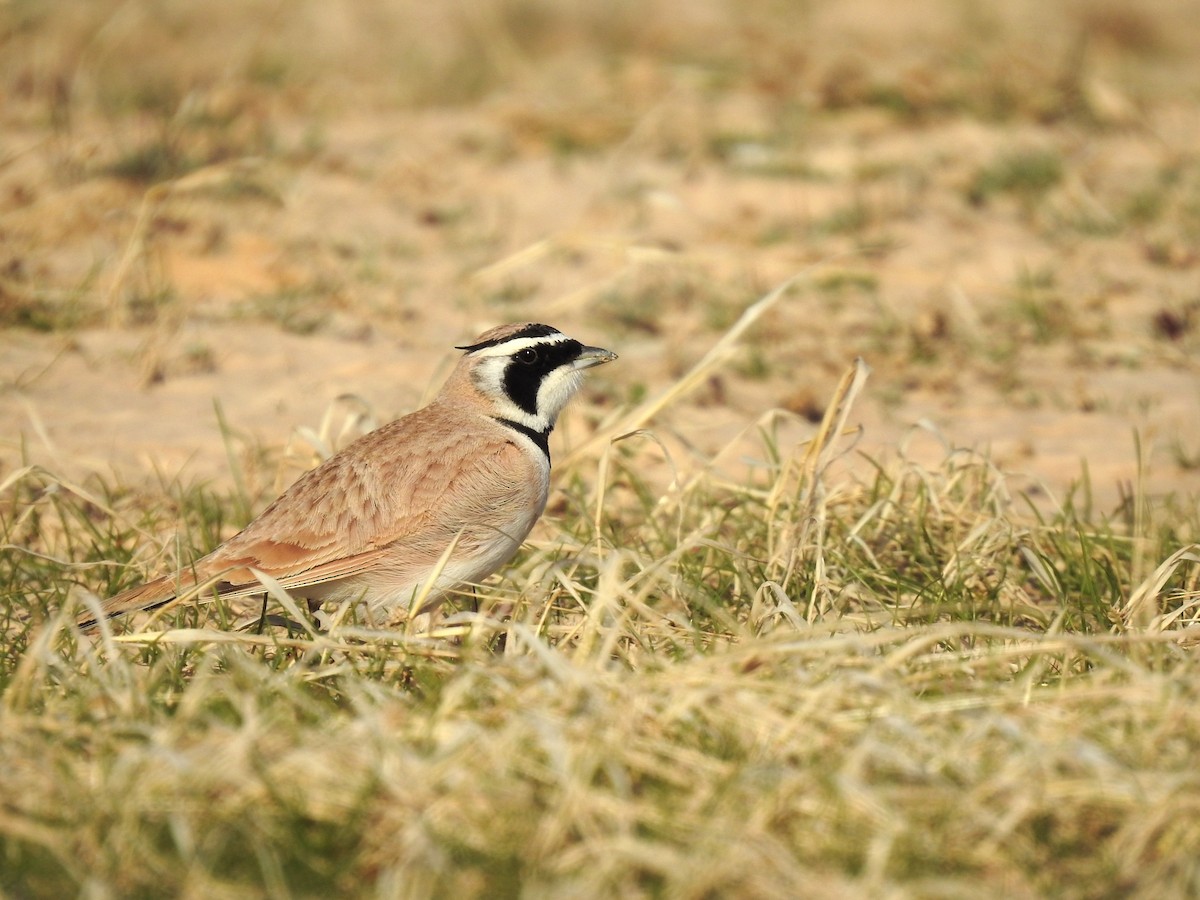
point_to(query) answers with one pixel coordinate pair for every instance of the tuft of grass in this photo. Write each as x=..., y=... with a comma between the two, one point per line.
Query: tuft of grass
x=1038, y=312
x=851, y=219
x=26, y=305
x=22, y=307
x=1026, y=175
x=152, y=162
x=643, y=304
x=844, y=280
x=303, y=309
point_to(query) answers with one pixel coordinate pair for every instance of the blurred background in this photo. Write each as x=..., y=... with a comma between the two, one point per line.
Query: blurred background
x=272, y=205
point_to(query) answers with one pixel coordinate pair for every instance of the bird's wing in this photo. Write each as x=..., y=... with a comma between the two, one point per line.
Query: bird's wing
x=416, y=482
x=414, y=486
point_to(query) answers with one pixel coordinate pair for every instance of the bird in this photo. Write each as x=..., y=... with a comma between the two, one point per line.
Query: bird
x=429, y=503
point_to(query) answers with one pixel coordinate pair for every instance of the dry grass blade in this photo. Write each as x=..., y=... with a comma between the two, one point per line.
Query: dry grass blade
x=716, y=356
x=1144, y=609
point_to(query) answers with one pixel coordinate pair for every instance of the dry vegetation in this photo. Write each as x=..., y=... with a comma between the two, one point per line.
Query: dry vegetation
x=771, y=639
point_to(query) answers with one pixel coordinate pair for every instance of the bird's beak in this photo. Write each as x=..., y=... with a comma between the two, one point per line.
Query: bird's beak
x=593, y=356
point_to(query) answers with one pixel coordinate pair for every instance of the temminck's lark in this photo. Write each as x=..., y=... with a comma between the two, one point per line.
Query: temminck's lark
x=465, y=477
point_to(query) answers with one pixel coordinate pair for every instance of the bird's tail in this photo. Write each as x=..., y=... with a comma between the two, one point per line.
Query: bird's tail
x=142, y=598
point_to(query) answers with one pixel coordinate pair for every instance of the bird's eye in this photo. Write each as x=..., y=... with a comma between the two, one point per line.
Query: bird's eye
x=528, y=356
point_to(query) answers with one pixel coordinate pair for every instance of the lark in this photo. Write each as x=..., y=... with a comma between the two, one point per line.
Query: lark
x=422, y=506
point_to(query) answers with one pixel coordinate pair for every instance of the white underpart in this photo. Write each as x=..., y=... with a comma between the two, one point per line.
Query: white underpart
x=379, y=593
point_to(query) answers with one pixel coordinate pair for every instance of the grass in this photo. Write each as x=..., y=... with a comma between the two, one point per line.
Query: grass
x=904, y=682
x=793, y=670
x=1026, y=174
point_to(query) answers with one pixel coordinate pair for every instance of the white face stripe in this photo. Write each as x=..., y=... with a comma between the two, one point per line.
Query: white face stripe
x=508, y=348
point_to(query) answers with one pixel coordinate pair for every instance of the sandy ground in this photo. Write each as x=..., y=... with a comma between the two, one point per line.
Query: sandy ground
x=638, y=201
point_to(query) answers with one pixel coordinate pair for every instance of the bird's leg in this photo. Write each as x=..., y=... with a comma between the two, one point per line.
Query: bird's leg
x=265, y=619
x=503, y=613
